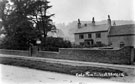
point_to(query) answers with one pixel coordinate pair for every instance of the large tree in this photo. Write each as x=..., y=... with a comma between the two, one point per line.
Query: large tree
x=38, y=14
x=24, y=20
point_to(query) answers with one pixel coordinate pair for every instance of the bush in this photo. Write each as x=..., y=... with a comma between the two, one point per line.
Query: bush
x=53, y=44
x=49, y=44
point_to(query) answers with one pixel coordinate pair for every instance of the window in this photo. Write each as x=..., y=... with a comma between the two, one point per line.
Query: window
x=122, y=44
x=89, y=35
x=85, y=25
x=98, y=35
x=98, y=42
x=110, y=43
x=81, y=36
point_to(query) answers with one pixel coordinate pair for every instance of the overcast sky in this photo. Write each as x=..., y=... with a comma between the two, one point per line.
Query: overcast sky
x=70, y=10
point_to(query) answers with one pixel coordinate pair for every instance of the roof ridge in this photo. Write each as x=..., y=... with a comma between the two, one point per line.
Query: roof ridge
x=123, y=25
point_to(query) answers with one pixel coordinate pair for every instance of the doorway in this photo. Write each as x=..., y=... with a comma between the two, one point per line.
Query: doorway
x=89, y=42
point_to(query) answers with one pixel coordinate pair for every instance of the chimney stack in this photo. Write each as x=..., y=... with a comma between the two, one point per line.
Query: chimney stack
x=109, y=20
x=114, y=24
x=79, y=23
x=93, y=21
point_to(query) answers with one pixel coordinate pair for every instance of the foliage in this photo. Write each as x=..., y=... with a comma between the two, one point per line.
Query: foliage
x=24, y=21
x=20, y=39
x=53, y=44
x=38, y=15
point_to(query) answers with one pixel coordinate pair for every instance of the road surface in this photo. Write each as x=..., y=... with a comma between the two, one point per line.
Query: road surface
x=19, y=75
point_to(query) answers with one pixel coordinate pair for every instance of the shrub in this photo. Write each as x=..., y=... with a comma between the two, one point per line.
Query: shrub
x=53, y=44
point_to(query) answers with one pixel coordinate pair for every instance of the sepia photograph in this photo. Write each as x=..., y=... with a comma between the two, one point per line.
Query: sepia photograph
x=67, y=41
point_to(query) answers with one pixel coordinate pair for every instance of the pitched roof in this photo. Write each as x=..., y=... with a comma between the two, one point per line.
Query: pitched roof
x=92, y=28
x=122, y=30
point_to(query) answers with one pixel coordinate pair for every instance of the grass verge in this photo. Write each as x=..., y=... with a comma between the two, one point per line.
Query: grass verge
x=85, y=71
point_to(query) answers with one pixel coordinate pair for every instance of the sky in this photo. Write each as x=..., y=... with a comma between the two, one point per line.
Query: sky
x=70, y=10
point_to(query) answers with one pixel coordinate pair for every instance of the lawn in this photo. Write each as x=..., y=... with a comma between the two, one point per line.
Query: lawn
x=85, y=71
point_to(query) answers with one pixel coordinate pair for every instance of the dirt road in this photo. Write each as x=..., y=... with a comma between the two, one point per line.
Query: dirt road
x=19, y=75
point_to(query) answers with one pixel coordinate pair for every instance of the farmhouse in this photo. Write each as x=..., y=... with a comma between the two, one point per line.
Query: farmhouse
x=105, y=34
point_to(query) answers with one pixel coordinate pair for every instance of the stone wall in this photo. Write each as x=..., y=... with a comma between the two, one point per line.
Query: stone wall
x=14, y=52
x=45, y=54
x=121, y=56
